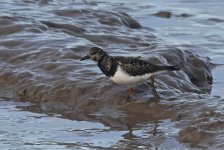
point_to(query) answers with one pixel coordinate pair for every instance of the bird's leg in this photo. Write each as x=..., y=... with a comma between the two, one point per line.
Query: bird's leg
x=153, y=83
x=130, y=91
x=154, y=92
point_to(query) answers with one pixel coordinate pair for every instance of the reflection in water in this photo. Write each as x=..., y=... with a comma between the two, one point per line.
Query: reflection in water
x=155, y=129
x=131, y=136
x=34, y=130
x=31, y=130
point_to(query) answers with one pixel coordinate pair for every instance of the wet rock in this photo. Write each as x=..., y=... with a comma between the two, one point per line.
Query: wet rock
x=167, y=14
x=193, y=135
x=163, y=14
x=69, y=12
x=111, y=21
x=67, y=27
x=10, y=29
x=44, y=2
x=104, y=17
x=40, y=2
x=130, y=22
x=118, y=19
x=184, y=15
x=217, y=20
x=197, y=68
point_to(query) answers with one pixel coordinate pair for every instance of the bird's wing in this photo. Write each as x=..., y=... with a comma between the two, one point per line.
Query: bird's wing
x=136, y=66
x=130, y=60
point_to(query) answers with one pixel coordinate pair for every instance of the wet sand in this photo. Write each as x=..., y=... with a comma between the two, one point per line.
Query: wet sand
x=51, y=100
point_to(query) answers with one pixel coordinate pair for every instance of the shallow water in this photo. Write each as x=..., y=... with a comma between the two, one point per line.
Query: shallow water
x=51, y=100
x=40, y=131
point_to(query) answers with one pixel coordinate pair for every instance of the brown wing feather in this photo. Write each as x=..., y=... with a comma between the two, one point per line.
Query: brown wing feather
x=130, y=60
x=139, y=69
x=136, y=66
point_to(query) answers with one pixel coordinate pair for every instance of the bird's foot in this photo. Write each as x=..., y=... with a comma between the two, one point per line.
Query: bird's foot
x=156, y=97
x=153, y=101
x=128, y=99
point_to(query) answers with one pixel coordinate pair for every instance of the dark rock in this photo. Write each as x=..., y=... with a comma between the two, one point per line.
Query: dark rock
x=163, y=14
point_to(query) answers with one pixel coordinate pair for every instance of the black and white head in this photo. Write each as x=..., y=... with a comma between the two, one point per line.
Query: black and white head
x=95, y=53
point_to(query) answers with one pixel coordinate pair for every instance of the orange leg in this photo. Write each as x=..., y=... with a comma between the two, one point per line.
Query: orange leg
x=130, y=92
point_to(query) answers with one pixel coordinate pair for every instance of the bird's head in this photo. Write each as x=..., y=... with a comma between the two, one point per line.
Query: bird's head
x=95, y=54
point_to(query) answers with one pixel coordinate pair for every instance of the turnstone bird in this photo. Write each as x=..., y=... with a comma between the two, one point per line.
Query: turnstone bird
x=126, y=70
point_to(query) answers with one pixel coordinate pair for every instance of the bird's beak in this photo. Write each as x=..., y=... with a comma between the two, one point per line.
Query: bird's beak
x=84, y=58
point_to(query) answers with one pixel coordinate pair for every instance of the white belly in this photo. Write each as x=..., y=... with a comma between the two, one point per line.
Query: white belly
x=123, y=78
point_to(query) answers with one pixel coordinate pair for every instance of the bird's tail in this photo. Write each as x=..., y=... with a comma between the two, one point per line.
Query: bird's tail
x=170, y=68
